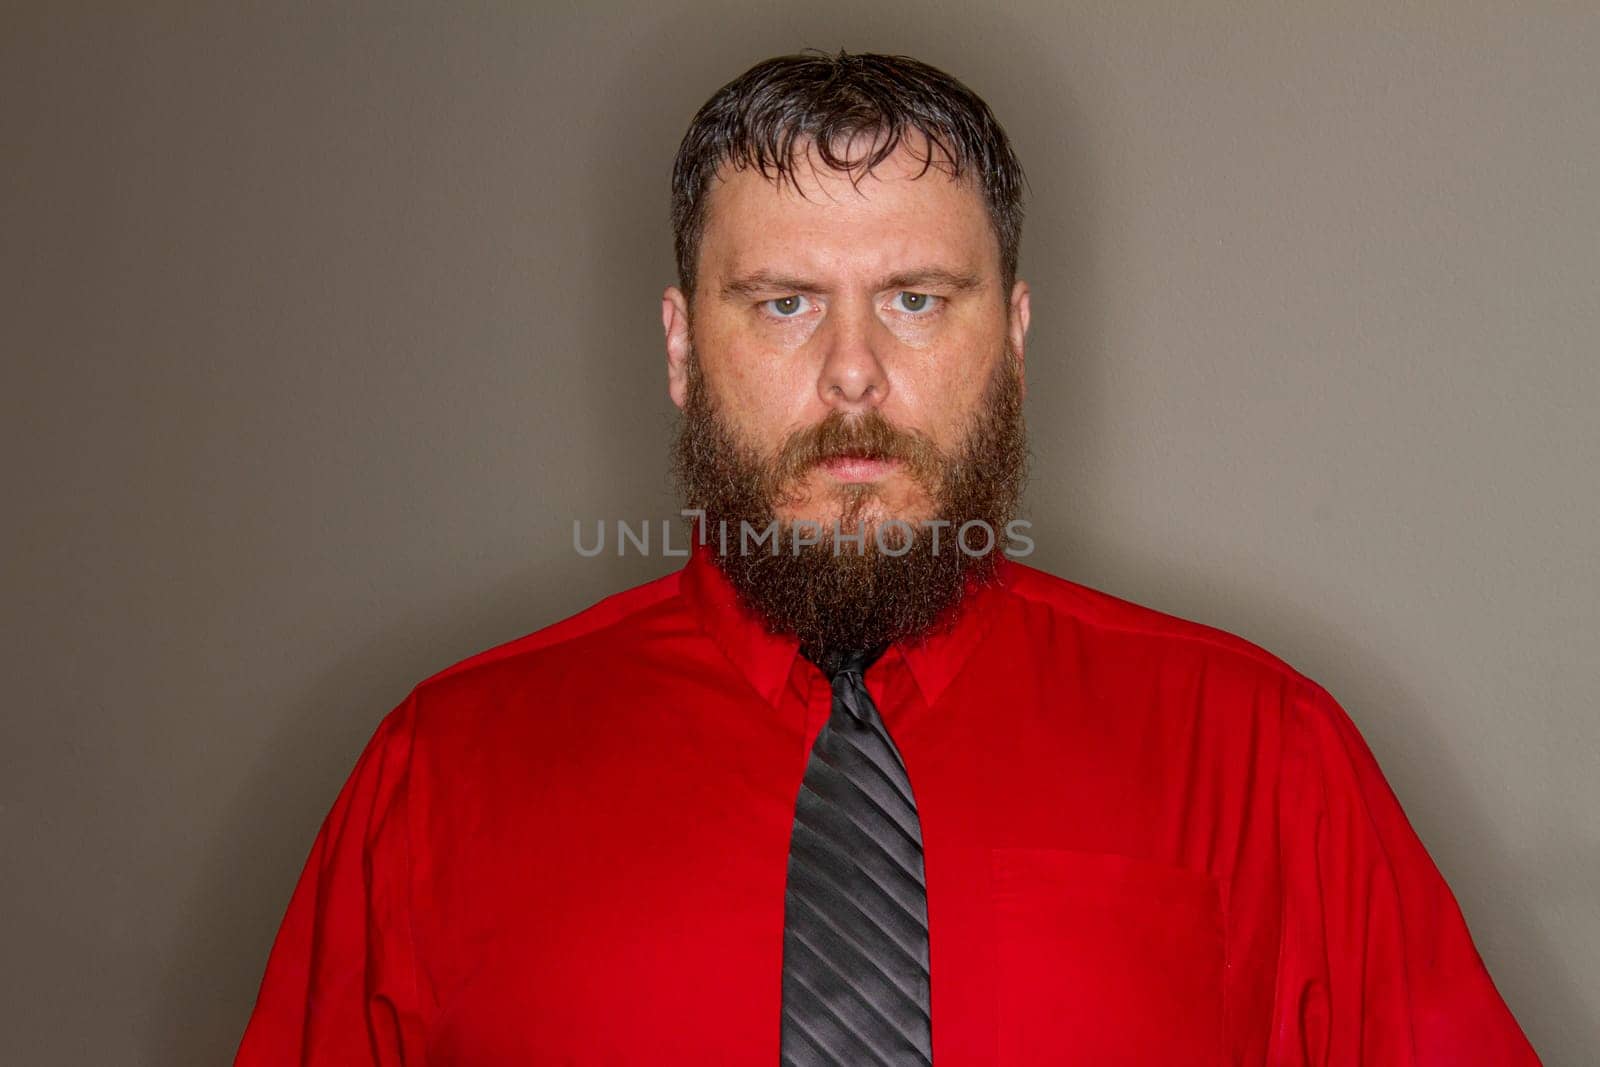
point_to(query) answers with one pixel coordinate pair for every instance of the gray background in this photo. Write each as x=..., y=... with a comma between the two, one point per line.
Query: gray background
x=322, y=326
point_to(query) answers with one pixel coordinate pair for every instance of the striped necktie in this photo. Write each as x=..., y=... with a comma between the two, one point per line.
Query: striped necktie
x=855, y=937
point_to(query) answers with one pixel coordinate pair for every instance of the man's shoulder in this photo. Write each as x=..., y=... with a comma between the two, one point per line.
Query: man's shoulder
x=605, y=620
x=1109, y=615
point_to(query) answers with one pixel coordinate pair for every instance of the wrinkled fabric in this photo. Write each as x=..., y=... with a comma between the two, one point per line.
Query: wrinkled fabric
x=1145, y=841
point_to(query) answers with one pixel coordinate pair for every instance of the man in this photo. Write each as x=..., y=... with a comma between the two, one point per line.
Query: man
x=853, y=786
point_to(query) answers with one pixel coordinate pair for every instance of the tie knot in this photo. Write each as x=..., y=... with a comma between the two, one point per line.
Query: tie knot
x=835, y=663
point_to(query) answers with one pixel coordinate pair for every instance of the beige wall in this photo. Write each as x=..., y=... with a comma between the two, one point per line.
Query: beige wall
x=319, y=331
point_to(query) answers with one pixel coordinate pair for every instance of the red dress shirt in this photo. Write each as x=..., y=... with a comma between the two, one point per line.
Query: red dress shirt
x=1146, y=842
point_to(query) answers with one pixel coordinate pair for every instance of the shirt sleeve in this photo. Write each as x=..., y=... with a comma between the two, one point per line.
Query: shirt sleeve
x=340, y=985
x=1377, y=966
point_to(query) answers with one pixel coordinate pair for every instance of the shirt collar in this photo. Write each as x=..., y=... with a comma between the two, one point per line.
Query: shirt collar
x=766, y=658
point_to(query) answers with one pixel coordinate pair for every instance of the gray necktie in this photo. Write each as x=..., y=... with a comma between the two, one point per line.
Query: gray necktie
x=855, y=937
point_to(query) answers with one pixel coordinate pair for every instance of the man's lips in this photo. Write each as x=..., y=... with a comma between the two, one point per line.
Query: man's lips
x=857, y=469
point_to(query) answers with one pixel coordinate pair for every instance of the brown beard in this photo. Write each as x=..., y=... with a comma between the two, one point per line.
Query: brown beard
x=854, y=598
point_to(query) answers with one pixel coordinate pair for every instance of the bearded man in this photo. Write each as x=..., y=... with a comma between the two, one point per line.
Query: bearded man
x=859, y=788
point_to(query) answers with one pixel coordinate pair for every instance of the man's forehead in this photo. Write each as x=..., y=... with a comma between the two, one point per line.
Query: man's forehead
x=899, y=211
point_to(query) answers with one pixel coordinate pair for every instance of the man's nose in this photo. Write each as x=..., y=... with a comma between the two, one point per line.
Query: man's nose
x=853, y=377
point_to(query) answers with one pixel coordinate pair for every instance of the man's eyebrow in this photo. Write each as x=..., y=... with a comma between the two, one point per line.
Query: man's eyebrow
x=766, y=281
x=763, y=281
x=931, y=278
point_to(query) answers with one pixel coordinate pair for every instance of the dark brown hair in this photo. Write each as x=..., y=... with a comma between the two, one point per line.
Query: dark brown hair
x=762, y=117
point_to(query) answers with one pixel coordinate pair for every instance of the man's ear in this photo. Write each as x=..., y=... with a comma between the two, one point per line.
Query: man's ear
x=1017, y=327
x=675, y=322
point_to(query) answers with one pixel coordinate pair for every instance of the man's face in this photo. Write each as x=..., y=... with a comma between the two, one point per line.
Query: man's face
x=849, y=300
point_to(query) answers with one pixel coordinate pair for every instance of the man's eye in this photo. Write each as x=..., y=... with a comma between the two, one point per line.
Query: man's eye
x=915, y=303
x=787, y=307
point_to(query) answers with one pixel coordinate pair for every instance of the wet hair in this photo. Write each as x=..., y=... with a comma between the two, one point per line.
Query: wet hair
x=770, y=114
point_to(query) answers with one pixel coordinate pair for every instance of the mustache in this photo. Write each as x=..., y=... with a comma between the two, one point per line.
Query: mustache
x=851, y=436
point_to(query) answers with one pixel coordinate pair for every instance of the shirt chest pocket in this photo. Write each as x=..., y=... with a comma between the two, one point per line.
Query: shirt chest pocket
x=1107, y=960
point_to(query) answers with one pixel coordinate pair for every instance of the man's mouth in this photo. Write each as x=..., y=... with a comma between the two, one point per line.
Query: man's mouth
x=848, y=469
